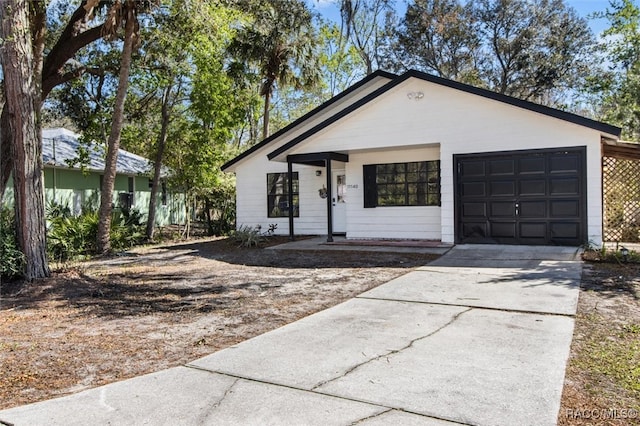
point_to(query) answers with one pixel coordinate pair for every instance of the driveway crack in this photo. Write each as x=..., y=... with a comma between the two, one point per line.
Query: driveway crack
x=373, y=416
x=219, y=401
x=392, y=352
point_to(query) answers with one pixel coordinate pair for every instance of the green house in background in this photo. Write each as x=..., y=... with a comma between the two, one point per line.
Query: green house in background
x=70, y=186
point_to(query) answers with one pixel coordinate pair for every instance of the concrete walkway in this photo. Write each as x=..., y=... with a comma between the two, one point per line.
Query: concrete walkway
x=480, y=336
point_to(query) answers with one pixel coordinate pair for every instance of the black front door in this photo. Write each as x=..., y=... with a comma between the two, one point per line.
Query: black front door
x=521, y=197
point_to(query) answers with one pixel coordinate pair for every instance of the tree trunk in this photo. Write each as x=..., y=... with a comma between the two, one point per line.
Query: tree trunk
x=6, y=163
x=106, y=197
x=21, y=79
x=157, y=168
x=265, y=121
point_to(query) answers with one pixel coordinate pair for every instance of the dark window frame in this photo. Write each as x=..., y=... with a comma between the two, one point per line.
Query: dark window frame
x=278, y=195
x=406, y=184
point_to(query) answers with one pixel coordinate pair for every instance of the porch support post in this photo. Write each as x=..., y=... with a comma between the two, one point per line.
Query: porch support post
x=290, y=191
x=329, y=201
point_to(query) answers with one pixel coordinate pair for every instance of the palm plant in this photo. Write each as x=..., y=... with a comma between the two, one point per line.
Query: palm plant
x=281, y=43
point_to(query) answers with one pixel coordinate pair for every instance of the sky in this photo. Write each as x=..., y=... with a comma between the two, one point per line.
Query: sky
x=584, y=8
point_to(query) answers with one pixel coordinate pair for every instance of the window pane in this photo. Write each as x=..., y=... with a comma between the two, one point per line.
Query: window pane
x=408, y=184
x=277, y=195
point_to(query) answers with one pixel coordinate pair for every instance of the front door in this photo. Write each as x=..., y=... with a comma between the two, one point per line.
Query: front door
x=339, y=201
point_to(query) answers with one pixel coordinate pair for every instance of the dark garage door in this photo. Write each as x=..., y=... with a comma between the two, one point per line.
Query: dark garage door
x=521, y=197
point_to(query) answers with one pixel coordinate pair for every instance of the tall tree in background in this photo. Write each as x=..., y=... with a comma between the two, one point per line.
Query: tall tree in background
x=120, y=14
x=537, y=51
x=46, y=72
x=366, y=24
x=22, y=69
x=533, y=48
x=615, y=89
x=440, y=37
x=280, y=42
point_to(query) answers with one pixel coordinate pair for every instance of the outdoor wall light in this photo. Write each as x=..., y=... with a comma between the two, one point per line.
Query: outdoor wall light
x=415, y=95
x=318, y=172
x=625, y=254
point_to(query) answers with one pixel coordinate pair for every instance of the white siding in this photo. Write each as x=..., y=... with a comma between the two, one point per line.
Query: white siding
x=395, y=128
x=251, y=197
x=460, y=123
x=411, y=222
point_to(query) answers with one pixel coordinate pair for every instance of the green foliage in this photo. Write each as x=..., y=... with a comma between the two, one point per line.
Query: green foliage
x=68, y=236
x=220, y=208
x=609, y=254
x=615, y=358
x=248, y=236
x=11, y=258
x=617, y=88
x=127, y=229
x=279, y=47
x=72, y=237
x=533, y=50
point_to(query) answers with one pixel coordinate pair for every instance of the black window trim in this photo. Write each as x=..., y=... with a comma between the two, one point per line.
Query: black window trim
x=285, y=189
x=370, y=185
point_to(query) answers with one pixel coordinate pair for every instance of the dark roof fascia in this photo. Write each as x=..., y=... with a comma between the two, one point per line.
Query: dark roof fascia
x=531, y=106
x=348, y=110
x=551, y=112
x=308, y=115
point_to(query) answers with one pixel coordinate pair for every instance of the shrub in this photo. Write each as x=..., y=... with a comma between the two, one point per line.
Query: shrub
x=71, y=237
x=127, y=229
x=248, y=236
x=11, y=259
x=68, y=236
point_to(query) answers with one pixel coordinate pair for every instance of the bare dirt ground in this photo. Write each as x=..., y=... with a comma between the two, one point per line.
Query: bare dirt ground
x=159, y=307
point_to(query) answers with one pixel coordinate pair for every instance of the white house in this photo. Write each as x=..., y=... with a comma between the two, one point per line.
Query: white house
x=420, y=157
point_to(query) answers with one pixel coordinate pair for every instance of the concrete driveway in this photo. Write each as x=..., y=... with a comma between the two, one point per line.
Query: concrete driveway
x=480, y=336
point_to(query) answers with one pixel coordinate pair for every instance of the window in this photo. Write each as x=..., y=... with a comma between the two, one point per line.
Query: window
x=278, y=195
x=402, y=184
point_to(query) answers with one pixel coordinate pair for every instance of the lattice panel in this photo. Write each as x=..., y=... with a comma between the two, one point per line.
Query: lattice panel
x=621, y=186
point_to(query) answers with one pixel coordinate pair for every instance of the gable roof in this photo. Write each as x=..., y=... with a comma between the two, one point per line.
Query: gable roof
x=541, y=109
x=60, y=148
x=309, y=115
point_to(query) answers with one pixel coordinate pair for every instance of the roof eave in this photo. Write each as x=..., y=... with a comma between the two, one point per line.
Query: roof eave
x=603, y=128
x=228, y=166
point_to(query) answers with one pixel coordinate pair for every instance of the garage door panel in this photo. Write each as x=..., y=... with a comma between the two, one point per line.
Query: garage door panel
x=534, y=188
x=474, y=209
x=475, y=230
x=565, y=230
x=568, y=163
x=522, y=197
x=473, y=168
x=502, y=189
x=503, y=229
x=565, y=208
x=474, y=189
x=529, y=209
x=564, y=186
x=502, y=167
x=533, y=230
x=503, y=209
x=534, y=165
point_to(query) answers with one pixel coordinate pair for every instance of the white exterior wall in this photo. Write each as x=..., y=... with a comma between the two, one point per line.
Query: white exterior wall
x=251, y=178
x=251, y=197
x=403, y=222
x=460, y=123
